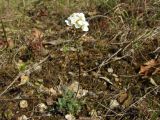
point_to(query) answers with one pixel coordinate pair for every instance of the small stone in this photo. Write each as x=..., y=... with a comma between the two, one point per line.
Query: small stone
x=116, y=79
x=114, y=104
x=74, y=86
x=53, y=92
x=69, y=117
x=23, y=104
x=42, y=107
x=38, y=68
x=90, y=93
x=120, y=84
x=85, y=74
x=82, y=93
x=43, y=89
x=110, y=70
x=49, y=101
x=23, y=117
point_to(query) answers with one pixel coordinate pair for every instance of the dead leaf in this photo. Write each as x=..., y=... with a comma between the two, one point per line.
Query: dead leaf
x=128, y=101
x=45, y=90
x=36, y=43
x=148, y=67
x=143, y=107
x=10, y=43
x=3, y=44
x=122, y=97
x=37, y=34
x=24, y=80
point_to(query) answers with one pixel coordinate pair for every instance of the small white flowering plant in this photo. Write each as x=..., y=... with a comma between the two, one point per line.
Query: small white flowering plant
x=69, y=102
x=77, y=20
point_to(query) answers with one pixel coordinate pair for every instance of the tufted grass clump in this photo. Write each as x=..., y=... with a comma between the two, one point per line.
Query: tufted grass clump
x=68, y=103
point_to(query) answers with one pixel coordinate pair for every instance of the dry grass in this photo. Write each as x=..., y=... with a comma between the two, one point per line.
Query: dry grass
x=122, y=35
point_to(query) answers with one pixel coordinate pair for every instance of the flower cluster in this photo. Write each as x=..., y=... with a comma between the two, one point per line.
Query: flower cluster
x=78, y=20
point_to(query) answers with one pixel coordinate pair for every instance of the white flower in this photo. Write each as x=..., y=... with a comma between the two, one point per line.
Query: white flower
x=78, y=20
x=85, y=26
